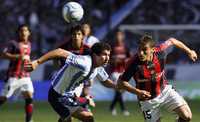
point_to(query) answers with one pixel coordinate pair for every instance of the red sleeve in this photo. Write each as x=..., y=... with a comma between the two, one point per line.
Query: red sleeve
x=163, y=46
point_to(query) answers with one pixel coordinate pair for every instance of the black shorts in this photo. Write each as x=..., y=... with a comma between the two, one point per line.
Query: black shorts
x=63, y=105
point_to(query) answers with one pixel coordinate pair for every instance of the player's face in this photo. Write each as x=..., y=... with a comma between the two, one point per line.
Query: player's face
x=145, y=52
x=103, y=58
x=77, y=38
x=86, y=29
x=24, y=32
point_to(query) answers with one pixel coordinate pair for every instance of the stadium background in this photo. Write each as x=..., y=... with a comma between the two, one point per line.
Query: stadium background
x=161, y=18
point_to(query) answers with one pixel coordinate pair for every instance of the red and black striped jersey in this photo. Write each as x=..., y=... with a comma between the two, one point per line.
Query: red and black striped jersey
x=149, y=76
x=16, y=67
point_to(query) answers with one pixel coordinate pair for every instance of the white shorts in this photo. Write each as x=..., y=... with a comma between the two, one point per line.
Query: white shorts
x=168, y=99
x=17, y=85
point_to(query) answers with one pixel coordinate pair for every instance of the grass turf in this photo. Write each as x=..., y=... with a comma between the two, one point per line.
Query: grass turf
x=13, y=112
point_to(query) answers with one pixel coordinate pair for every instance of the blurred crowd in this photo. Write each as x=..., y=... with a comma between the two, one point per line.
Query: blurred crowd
x=49, y=28
x=45, y=19
x=166, y=12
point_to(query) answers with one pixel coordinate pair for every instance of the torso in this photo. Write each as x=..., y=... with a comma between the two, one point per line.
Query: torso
x=16, y=67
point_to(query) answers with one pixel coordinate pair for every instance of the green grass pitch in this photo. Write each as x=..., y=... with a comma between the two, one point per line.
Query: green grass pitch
x=13, y=112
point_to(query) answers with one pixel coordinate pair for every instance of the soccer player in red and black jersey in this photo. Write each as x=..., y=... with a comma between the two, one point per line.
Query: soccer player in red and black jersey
x=152, y=88
x=18, y=52
x=75, y=44
x=120, y=54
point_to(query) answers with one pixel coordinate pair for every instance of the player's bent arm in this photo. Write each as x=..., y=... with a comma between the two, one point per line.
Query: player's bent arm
x=179, y=44
x=142, y=94
x=48, y=56
x=9, y=56
x=128, y=87
x=109, y=83
x=57, y=53
x=191, y=53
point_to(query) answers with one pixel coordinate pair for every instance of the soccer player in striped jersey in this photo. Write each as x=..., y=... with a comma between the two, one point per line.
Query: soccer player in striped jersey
x=18, y=53
x=68, y=83
x=152, y=88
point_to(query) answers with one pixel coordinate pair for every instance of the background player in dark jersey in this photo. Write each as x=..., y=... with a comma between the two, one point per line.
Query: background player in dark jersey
x=18, y=52
x=119, y=56
x=75, y=43
x=152, y=88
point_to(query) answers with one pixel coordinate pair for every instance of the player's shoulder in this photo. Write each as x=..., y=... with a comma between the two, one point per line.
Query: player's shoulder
x=13, y=41
x=85, y=61
x=93, y=38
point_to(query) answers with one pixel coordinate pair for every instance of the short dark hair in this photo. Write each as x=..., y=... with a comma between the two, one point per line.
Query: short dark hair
x=76, y=28
x=21, y=26
x=147, y=39
x=98, y=47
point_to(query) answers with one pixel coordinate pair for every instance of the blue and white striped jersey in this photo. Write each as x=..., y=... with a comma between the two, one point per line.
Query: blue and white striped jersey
x=70, y=79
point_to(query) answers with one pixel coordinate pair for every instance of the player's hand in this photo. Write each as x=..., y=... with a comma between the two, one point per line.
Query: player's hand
x=193, y=55
x=91, y=101
x=31, y=66
x=144, y=95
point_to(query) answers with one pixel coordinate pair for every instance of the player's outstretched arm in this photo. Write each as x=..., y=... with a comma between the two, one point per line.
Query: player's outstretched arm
x=57, y=53
x=142, y=94
x=191, y=53
x=109, y=83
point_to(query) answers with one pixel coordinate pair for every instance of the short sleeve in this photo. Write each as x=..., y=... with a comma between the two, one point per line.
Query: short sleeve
x=164, y=48
x=10, y=47
x=101, y=74
x=79, y=61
